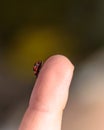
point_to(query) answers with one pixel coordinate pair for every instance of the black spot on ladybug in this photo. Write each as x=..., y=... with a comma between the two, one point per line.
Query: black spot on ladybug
x=36, y=68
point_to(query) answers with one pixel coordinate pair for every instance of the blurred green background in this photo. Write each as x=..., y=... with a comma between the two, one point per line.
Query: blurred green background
x=34, y=30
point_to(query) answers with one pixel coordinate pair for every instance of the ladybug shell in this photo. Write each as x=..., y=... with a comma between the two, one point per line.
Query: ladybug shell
x=36, y=68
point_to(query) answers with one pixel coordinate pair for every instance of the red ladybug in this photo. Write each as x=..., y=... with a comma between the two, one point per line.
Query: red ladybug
x=36, y=68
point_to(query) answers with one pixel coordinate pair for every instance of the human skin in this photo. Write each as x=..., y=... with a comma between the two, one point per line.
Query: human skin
x=49, y=95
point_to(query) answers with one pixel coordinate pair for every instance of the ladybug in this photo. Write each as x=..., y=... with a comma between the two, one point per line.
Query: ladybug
x=36, y=68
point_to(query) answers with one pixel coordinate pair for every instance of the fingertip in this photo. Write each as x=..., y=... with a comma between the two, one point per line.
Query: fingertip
x=62, y=60
x=53, y=83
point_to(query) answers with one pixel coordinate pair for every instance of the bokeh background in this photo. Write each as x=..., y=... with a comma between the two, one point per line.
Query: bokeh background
x=34, y=30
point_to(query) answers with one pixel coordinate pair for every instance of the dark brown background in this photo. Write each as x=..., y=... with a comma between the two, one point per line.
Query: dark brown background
x=32, y=30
